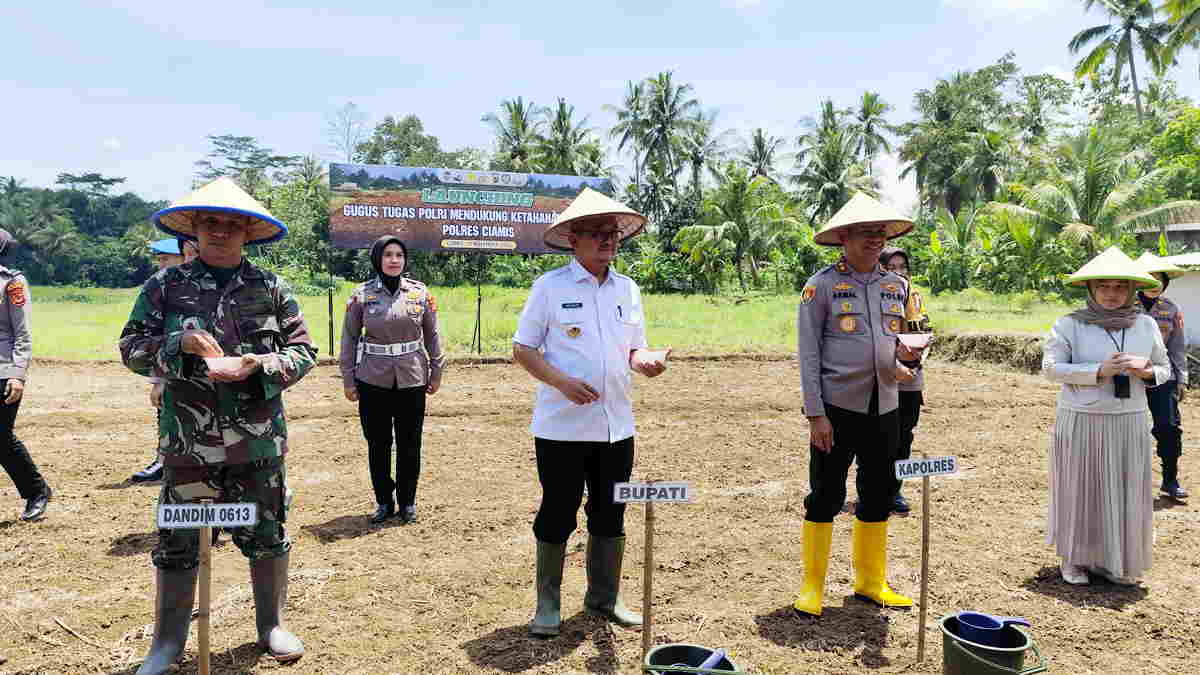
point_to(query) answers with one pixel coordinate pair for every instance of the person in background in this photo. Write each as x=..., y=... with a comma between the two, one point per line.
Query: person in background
x=16, y=353
x=1105, y=355
x=847, y=324
x=911, y=375
x=167, y=253
x=582, y=335
x=1164, y=400
x=391, y=359
x=190, y=249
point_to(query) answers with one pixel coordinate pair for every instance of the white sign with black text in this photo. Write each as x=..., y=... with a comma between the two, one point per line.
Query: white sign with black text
x=658, y=491
x=926, y=466
x=191, y=516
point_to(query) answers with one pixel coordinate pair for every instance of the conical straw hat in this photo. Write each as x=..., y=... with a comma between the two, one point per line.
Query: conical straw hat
x=224, y=196
x=1113, y=264
x=593, y=204
x=862, y=209
x=1154, y=264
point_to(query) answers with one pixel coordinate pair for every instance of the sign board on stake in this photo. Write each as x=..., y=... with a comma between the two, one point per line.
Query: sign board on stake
x=656, y=491
x=921, y=467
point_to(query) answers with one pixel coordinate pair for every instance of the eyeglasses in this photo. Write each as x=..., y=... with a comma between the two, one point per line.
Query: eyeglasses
x=599, y=235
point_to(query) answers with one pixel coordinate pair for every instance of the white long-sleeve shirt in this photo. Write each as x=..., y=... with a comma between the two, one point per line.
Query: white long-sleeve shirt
x=1072, y=355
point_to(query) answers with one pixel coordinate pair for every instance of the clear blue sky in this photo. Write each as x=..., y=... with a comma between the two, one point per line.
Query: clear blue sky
x=132, y=88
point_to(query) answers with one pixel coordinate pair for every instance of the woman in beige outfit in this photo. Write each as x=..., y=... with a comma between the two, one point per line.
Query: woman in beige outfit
x=1104, y=355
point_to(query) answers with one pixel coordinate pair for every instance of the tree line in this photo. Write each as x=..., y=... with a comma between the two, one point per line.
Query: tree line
x=1020, y=177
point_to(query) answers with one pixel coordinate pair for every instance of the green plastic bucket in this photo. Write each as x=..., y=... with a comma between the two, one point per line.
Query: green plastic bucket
x=963, y=657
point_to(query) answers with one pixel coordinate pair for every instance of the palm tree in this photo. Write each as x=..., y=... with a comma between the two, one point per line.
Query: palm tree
x=561, y=150
x=832, y=173
x=669, y=113
x=700, y=148
x=990, y=155
x=1134, y=20
x=517, y=133
x=827, y=122
x=1093, y=195
x=1184, y=18
x=871, y=126
x=759, y=155
x=630, y=128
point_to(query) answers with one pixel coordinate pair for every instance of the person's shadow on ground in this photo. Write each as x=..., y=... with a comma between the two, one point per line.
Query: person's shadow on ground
x=240, y=659
x=348, y=527
x=514, y=650
x=1099, y=593
x=857, y=623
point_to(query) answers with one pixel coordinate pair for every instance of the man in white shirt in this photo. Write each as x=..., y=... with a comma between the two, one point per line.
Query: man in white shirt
x=581, y=333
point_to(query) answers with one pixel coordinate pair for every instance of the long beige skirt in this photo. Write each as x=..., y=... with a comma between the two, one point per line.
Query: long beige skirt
x=1101, y=491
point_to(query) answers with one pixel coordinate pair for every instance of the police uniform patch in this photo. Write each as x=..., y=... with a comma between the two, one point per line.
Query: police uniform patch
x=432, y=302
x=1179, y=321
x=842, y=286
x=574, y=331
x=895, y=325
x=847, y=307
x=807, y=295
x=415, y=308
x=372, y=297
x=16, y=293
x=842, y=267
x=895, y=308
x=414, y=295
x=847, y=324
x=891, y=288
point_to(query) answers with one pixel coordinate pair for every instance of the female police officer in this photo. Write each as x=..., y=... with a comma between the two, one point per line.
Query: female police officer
x=391, y=358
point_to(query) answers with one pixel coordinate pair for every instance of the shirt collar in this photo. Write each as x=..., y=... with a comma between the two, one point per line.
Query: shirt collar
x=580, y=273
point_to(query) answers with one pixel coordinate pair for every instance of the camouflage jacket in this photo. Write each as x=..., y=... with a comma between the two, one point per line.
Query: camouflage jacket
x=205, y=422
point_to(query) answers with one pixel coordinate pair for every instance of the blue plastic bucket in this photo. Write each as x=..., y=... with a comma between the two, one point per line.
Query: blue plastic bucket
x=986, y=629
x=963, y=657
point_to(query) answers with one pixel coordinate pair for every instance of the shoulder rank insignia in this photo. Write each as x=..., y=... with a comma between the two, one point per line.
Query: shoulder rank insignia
x=842, y=286
x=807, y=295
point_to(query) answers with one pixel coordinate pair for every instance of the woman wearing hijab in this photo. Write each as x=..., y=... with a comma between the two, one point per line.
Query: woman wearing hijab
x=391, y=358
x=1164, y=400
x=1105, y=355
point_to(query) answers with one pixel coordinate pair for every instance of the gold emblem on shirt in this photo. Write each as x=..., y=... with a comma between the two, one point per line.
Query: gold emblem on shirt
x=847, y=324
x=896, y=308
x=895, y=325
x=842, y=286
x=891, y=288
x=807, y=295
x=847, y=307
x=414, y=295
x=574, y=331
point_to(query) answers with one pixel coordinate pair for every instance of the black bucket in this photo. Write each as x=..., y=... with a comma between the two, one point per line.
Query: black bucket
x=688, y=659
x=1007, y=657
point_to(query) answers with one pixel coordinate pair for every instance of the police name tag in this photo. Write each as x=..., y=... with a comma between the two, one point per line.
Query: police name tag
x=929, y=466
x=676, y=491
x=191, y=516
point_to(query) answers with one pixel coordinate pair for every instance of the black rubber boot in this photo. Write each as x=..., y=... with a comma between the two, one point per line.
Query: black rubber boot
x=383, y=512
x=270, y=581
x=548, y=616
x=175, y=594
x=604, y=557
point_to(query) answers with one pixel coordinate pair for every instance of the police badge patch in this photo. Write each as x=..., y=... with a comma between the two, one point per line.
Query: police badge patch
x=16, y=293
x=807, y=295
x=847, y=307
x=574, y=331
x=895, y=325
x=847, y=324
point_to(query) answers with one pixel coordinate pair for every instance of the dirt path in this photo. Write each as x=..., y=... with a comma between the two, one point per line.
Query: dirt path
x=453, y=593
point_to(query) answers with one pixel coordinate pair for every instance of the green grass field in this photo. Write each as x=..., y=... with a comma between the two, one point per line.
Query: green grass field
x=84, y=323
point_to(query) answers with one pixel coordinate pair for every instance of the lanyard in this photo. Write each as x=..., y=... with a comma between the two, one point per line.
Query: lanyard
x=1120, y=347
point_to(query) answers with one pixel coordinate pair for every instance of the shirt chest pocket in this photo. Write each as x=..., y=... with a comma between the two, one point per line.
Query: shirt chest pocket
x=261, y=332
x=847, y=316
x=573, y=320
x=892, y=312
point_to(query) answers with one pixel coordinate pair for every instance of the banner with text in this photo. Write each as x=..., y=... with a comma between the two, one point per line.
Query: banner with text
x=449, y=210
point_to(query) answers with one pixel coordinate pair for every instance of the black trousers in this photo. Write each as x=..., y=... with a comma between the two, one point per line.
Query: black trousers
x=872, y=439
x=382, y=412
x=910, y=415
x=1164, y=409
x=563, y=468
x=14, y=456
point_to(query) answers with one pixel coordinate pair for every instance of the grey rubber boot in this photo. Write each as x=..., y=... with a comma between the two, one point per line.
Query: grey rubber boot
x=175, y=594
x=270, y=581
x=548, y=617
x=604, y=555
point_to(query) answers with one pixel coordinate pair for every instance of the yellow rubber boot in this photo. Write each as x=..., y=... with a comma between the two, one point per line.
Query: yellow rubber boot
x=870, y=565
x=814, y=553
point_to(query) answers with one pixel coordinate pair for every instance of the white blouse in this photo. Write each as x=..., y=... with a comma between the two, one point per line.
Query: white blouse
x=1072, y=355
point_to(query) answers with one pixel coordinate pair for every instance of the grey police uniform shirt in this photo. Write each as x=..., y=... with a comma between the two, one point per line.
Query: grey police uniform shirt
x=846, y=326
x=16, y=342
x=914, y=304
x=376, y=316
x=1169, y=319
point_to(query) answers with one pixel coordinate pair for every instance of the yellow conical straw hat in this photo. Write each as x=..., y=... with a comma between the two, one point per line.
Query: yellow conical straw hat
x=1113, y=264
x=1154, y=264
x=588, y=205
x=223, y=196
x=862, y=209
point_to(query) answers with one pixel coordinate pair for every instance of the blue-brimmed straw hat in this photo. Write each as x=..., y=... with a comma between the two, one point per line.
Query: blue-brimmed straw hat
x=222, y=196
x=166, y=247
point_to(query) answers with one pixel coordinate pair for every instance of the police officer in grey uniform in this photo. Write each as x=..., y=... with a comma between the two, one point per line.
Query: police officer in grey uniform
x=16, y=351
x=391, y=359
x=1164, y=399
x=849, y=318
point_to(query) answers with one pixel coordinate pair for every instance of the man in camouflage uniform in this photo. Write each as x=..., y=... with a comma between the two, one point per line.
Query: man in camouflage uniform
x=849, y=318
x=1164, y=399
x=223, y=434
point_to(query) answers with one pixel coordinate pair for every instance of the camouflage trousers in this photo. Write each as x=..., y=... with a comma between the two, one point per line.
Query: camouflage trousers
x=263, y=482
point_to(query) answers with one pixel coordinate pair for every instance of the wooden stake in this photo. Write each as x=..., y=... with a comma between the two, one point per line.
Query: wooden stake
x=924, y=565
x=205, y=597
x=647, y=583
